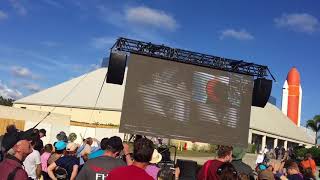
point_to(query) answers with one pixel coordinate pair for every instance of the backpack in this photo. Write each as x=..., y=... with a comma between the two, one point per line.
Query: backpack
x=61, y=173
x=13, y=173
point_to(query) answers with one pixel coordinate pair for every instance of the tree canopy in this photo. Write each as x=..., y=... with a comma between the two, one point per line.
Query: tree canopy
x=314, y=124
x=6, y=101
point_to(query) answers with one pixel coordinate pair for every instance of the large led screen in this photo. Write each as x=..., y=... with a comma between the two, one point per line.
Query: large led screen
x=188, y=102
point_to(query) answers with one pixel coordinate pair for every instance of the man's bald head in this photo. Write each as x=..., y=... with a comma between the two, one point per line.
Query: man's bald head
x=22, y=149
x=89, y=141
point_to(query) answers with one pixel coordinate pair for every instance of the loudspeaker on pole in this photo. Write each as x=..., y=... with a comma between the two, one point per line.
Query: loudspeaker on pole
x=261, y=92
x=116, y=68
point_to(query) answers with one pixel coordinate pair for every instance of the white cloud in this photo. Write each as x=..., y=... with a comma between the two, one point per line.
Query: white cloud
x=137, y=22
x=239, y=35
x=23, y=72
x=7, y=92
x=3, y=15
x=16, y=4
x=32, y=87
x=20, y=71
x=302, y=22
x=151, y=17
x=140, y=17
x=104, y=42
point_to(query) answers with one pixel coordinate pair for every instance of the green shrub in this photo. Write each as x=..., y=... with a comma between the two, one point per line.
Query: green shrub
x=314, y=151
x=195, y=147
x=212, y=148
x=202, y=149
x=251, y=148
x=301, y=152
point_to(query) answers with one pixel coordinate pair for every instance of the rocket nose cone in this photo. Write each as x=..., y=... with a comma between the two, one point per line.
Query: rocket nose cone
x=293, y=77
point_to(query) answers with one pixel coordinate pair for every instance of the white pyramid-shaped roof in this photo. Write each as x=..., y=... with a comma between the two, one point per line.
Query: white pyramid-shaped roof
x=80, y=92
x=270, y=119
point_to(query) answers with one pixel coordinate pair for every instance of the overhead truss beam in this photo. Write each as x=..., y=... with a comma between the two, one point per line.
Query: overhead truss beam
x=184, y=56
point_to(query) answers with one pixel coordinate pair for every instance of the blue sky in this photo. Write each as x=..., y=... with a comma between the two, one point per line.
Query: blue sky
x=45, y=42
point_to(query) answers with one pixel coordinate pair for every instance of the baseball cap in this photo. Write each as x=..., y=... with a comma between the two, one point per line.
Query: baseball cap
x=114, y=144
x=262, y=167
x=10, y=139
x=62, y=136
x=72, y=146
x=238, y=153
x=60, y=145
x=43, y=131
x=156, y=157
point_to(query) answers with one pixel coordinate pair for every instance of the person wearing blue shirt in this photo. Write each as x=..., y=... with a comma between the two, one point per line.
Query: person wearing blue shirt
x=86, y=149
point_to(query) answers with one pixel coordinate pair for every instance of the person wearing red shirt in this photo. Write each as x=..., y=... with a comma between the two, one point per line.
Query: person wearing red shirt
x=209, y=169
x=142, y=153
x=12, y=166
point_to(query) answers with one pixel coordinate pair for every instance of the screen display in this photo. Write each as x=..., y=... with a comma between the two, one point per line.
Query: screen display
x=187, y=102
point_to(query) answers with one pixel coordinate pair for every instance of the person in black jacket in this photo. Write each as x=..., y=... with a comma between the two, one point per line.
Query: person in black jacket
x=8, y=140
x=242, y=168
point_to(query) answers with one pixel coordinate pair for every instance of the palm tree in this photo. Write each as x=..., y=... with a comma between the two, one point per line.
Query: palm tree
x=314, y=124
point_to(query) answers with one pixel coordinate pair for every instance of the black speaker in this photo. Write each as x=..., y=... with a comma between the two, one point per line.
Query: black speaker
x=165, y=153
x=116, y=68
x=188, y=169
x=261, y=92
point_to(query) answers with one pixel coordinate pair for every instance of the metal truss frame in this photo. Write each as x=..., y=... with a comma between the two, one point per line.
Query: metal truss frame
x=195, y=58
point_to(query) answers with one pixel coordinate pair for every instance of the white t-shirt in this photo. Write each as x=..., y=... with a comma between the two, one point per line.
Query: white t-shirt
x=260, y=158
x=31, y=162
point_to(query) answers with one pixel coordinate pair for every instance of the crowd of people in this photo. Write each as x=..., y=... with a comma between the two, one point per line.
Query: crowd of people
x=25, y=157
x=280, y=163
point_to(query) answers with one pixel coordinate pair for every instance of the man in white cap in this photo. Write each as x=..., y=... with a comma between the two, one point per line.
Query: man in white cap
x=152, y=169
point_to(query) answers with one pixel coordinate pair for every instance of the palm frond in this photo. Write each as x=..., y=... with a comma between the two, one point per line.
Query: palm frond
x=316, y=118
x=312, y=125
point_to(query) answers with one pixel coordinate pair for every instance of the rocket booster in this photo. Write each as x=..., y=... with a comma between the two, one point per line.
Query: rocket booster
x=292, y=96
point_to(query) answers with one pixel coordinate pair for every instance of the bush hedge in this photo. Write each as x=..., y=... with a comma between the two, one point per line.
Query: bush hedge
x=302, y=151
x=251, y=148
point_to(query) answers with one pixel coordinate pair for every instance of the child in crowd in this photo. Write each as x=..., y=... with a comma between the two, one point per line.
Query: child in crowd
x=44, y=160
